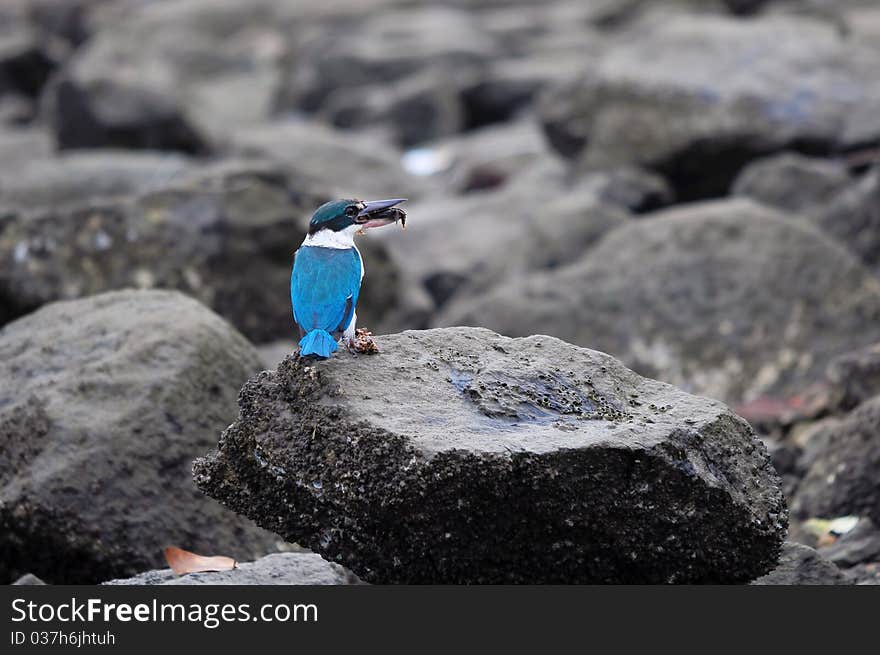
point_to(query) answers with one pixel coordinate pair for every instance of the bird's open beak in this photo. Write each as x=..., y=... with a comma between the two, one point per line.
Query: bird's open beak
x=377, y=213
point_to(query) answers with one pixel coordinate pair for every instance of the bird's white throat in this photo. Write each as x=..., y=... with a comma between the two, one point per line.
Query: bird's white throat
x=329, y=239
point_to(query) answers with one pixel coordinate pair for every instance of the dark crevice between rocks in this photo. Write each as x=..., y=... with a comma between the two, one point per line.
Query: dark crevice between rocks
x=77, y=126
x=11, y=307
x=56, y=550
x=707, y=169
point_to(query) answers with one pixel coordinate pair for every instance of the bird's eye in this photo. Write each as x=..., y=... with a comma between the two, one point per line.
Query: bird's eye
x=351, y=211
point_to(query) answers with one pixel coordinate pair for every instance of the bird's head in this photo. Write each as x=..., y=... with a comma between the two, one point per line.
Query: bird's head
x=356, y=215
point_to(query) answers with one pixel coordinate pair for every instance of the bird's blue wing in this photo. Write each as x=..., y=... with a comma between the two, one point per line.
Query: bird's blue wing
x=324, y=287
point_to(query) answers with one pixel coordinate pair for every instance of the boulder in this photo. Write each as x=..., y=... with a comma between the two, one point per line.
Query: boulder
x=792, y=182
x=352, y=165
x=223, y=233
x=801, y=565
x=861, y=545
x=77, y=177
x=853, y=218
x=728, y=299
x=854, y=378
x=696, y=97
x=274, y=569
x=461, y=456
x=103, y=404
x=842, y=464
x=379, y=52
x=170, y=76
x=465, y=245
x=413, y=110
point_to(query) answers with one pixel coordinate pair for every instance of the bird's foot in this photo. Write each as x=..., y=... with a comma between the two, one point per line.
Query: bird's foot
x=364, y=343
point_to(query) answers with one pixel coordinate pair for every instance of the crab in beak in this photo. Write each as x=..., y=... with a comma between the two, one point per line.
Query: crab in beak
x=376, y=213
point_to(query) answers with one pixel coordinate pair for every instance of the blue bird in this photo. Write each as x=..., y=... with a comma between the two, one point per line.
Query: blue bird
x=328, y=269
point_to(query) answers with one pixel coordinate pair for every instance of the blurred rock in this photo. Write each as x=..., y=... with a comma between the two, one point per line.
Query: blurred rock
x=352, y=165
x=78, y=177
x=415, y=109
x=865, y=574
x=853, y=218
x=224, y=234
x=854, y=377
x=842, y=464
x=20, y=147
x=727, y=299
x=274, y=569
x=381, y=49
x=698, y=97
x=861, y=545
x=171, y=76
x=801, y=565
x=792, y=182
x=516, y=460
x=103, y=404
x=475, y=241
x=86, y=114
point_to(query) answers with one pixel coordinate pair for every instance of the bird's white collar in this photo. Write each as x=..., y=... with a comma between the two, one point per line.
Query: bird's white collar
x=329, y=239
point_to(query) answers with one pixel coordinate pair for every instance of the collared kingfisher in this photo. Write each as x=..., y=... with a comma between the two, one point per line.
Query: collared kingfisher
x=328, y=269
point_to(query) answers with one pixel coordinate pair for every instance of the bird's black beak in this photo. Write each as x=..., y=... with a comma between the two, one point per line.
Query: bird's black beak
x=377, y=213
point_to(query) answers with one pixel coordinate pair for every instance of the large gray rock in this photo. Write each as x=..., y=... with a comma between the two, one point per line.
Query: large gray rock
x=801, y=565
x=842, y=464
x=792, y=182
x=224, y=234
x=728, y=299
x=352, y=165
x=853, y=218
x=170, y=76
x=379, y=52
x=274, y=569
x=78, y=177
x=467, y=244
x=461, y=456
x=697, y=97
x=823, y=192
x=103, y=404
x=861, y=545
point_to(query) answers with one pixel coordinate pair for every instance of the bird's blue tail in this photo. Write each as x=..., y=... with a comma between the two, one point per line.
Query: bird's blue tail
x=317, y=342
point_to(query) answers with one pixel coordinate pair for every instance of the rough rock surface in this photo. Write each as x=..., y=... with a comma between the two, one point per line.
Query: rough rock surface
x=460, y=456
x=103, y=404
x=842, y=464
x=696, y=97
x=727, y=299
x=801, y=565
x=274, y=569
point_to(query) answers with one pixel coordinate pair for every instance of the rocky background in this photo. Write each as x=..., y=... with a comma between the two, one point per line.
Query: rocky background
x=691, y=186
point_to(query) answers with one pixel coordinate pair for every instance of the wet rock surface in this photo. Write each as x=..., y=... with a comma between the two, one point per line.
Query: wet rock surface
x=103, y=404
x=459, y=455
x=710, y=297
x=274, y=569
